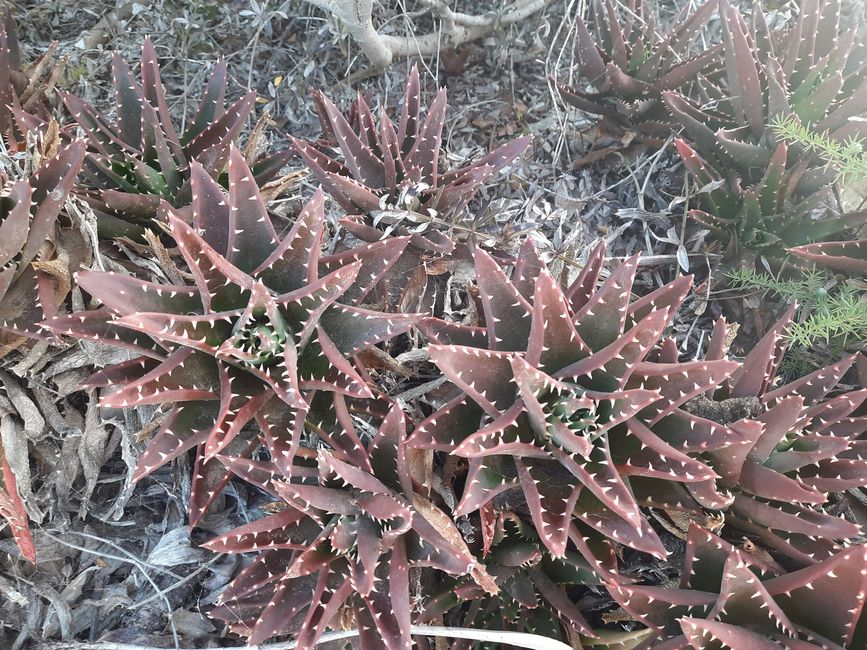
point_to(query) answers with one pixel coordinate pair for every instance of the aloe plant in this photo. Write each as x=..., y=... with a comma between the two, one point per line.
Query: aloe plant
x=630, y=59
x=558, y=396
x=25, y=89
x=728, y=598
x=764, y=219
x=351, y=528
x=763, y=193
x=397, y=167
x=259, y=331
x=536, y=591
x=29, y=214
x=803, y=445
x=140, y=158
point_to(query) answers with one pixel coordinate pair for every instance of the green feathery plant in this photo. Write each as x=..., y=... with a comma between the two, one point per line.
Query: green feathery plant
x=832, y=313
x=848, y=159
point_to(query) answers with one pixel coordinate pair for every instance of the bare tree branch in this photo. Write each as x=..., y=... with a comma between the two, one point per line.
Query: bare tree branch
x=457, y=28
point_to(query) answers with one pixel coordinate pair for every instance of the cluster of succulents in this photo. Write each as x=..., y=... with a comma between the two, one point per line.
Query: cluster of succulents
x=565, y=423
x=758, y=195
x=730, y=598
x=629, y=62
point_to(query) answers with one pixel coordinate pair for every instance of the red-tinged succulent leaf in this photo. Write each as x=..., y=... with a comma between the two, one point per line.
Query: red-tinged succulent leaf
x=425, y=151
x=657, y=459
x=779, y=421
x=553, y=342
x=262, y=474
x=294, y=262
x=478, y=373
x=211, y=146
x=185, y=375
x=815, y=386
x=376, y=259
x=211, y=104
x=12, y=510
x=186, y=427
x=754, y=376
x=846, y=256
x=270, y=532
x=507, y=315
x=125, y=295
x=828, y=597
x=210, y=209
x=252, y=237
x=703, y=634
x=200, y=332
x=793, y=518
x=220, y=283
x=444, y=333
x=618, y=359
x=241, y=398
x=100, y=325
x=668, y=296
x=679, y=382
x=584, y=286
x=600, y=321
x=655, y=606
x=50, y=184
x=16, y=223
x=353, y=328
x=503, y=436
x=485, y=480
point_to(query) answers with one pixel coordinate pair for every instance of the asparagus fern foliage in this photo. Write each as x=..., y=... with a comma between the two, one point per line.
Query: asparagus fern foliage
x=558, y=397
x=260, y=329
x=351, y=529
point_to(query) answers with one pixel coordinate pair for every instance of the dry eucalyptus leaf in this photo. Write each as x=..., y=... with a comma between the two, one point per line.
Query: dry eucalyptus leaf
x=92, y=449
x=191, y=624
x=175, y=548
x=34, y=423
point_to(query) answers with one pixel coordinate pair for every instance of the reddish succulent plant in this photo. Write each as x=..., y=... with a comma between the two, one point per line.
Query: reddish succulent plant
x=352, y=527
x=258, y=332
x=728, y=598
x=28, y=218
x=632, y=60
x=560, y=397
x=801, y=446
x=398, y=167
x=140, y=159
x=763, y=191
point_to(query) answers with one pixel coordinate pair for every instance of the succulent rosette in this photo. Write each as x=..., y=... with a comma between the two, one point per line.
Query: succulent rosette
x=260, y=329
x=559, y=397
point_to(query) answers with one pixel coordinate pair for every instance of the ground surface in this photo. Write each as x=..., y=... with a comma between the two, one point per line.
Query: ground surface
x=116, y=561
